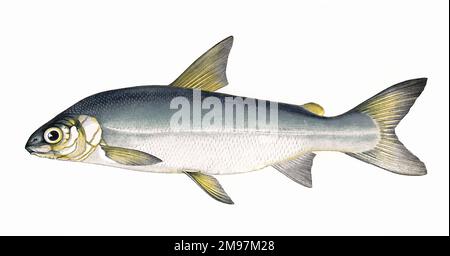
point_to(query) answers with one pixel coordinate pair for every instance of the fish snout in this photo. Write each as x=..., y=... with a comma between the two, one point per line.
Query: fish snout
x=36, y=144
x=28, y=148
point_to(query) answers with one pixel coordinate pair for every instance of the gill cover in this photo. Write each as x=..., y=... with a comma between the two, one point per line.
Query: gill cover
x=84, y=134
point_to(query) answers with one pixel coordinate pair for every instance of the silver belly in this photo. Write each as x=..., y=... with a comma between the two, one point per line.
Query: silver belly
x=229, y=152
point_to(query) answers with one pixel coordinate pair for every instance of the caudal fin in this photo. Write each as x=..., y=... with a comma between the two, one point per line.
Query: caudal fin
x=387, y=109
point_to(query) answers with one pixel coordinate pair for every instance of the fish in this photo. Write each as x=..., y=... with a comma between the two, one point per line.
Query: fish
x=185, y=128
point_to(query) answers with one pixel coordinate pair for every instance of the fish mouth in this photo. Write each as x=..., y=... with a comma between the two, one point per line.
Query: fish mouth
x=29, y=149
x=38, y=150
x=39, y=154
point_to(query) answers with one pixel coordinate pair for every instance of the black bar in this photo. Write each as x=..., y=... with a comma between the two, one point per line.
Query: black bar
x=226, y=245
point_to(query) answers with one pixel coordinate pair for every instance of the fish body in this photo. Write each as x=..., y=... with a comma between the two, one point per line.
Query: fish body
x=187, y=127
x=139, y=118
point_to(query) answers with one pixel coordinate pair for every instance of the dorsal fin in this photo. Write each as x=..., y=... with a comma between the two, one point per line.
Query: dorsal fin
x=314, y=108
x=208, y=72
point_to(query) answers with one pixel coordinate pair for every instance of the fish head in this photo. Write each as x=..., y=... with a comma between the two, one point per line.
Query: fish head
x=71, y=138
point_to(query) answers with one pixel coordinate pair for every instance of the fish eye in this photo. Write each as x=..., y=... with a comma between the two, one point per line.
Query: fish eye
x=53, y=135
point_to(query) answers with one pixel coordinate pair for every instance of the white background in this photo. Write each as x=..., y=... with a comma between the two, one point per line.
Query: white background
x=337, y=53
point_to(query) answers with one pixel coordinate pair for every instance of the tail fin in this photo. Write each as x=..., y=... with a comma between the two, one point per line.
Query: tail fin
x=387, y=109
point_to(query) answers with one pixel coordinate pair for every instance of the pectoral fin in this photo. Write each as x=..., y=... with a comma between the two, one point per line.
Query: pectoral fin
x=208, y=72
x=298, y=169
x=211, y=186
x=127, y=156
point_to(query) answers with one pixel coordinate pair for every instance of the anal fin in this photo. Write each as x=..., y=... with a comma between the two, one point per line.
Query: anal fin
x=298, y=169
x=211, y=186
